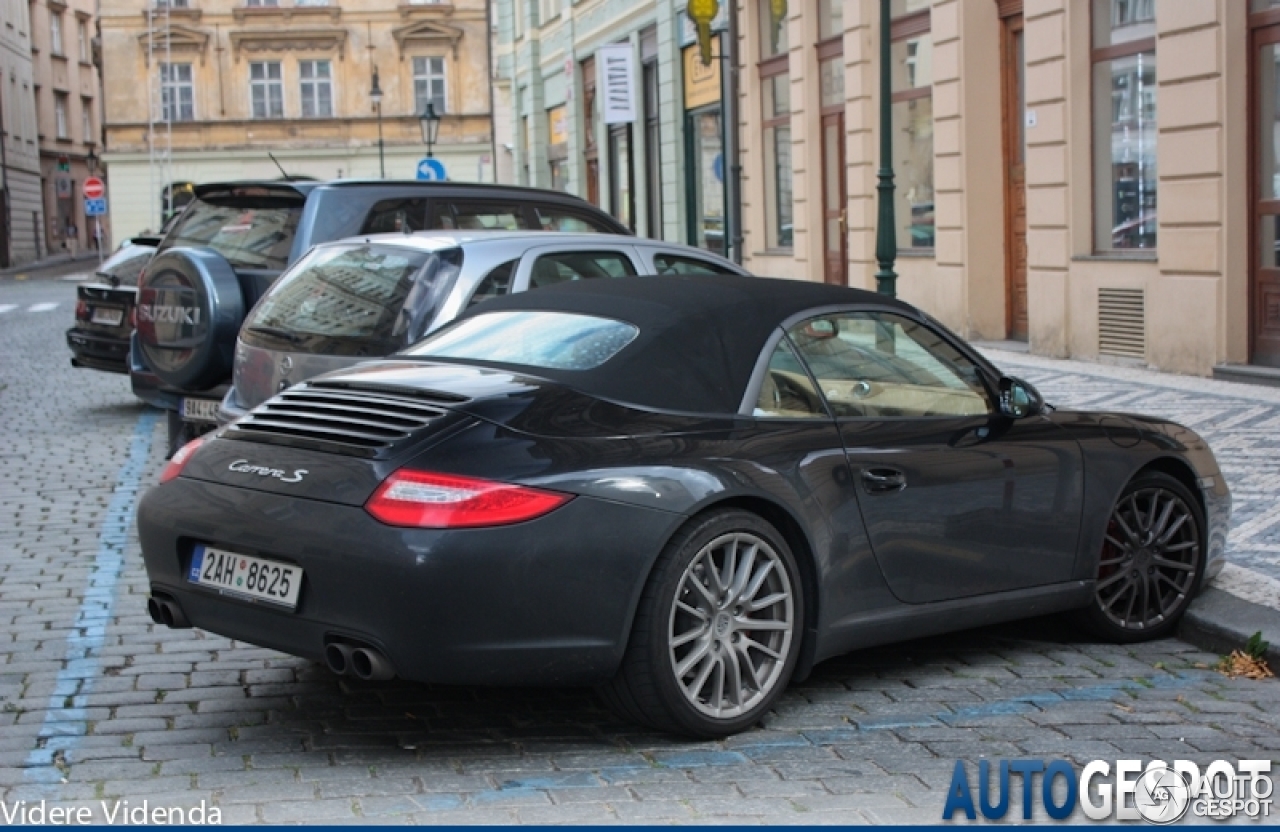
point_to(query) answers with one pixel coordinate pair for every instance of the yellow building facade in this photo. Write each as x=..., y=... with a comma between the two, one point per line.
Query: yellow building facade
x=1094, y=177
x=202, y=90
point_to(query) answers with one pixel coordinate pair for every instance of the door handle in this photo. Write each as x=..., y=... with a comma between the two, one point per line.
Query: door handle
x=883, y=480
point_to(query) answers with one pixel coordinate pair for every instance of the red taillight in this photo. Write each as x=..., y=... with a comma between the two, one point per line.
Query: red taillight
x=82, y=311
x=180, y=459
x=445, y=501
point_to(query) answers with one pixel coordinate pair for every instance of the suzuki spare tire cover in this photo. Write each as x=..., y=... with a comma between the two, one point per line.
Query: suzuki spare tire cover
x=190, y=308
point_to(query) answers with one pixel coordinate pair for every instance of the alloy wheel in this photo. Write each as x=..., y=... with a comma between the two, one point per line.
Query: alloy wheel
x=732, y=625
x=1150, y=559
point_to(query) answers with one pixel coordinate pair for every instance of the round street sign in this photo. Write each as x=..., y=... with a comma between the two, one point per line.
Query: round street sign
x=94, y=188
x=431, y=170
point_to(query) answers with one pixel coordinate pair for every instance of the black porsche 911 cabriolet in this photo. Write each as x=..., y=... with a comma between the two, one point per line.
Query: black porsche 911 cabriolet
x=685, y=490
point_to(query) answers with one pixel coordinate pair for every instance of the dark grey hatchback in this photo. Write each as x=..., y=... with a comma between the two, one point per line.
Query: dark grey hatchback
x=684, y=490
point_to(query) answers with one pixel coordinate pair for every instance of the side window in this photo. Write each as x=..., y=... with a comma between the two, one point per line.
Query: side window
x=555, y=218
x=550, y=269
x=787, y=392
x=486, y=216
x=391, y=215
x=495, y=283
x=880, y=365
x=680, y=264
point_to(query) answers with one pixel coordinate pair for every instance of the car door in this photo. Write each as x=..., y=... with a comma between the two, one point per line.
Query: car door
x=958, y=500
x=547, y=265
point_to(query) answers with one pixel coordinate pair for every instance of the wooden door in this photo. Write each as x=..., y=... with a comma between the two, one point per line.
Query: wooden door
x=835, y=197
x=1015, y=180
x=1264, y=272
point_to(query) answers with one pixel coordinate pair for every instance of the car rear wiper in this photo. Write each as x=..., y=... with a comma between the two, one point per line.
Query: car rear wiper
x=277, y=332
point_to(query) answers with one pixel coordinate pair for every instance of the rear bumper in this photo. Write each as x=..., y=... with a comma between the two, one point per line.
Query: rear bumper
x=97, y=351
x=544, y=602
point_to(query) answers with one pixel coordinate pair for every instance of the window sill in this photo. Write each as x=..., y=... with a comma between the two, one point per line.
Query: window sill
x=1144, y=256
x=917, y=253
x=775, y=252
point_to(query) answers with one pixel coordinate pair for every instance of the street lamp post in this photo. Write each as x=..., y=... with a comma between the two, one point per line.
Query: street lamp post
x=430, y=123
x=886, y=244
x=375, y=95
x=91, y=163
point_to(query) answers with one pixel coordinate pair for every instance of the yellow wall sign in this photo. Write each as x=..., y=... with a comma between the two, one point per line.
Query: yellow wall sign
x=701, y=82
x=559, y=127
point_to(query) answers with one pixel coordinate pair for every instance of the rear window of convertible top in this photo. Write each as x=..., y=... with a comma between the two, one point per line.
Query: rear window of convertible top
x=550, y=340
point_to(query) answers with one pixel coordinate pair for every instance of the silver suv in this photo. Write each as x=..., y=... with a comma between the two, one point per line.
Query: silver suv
x=367, y=297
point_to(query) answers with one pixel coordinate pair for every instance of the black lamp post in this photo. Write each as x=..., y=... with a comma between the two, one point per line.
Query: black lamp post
x=375, y=95
x=430, y=123
x=886, y=242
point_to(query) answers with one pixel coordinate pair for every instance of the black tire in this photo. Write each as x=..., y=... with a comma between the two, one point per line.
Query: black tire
x=1151, y=561
x=647, y=688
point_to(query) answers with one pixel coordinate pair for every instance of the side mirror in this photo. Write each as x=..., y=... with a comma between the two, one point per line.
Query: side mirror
x=1018, y=399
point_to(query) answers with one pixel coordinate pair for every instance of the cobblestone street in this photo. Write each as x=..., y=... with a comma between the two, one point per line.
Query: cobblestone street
x=97, y=703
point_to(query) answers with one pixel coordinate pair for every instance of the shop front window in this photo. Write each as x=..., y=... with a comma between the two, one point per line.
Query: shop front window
x=778, y=164
x=707, y=154
x=911, y=62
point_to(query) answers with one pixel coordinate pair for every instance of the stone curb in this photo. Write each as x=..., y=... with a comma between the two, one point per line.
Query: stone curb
x=1220, y=622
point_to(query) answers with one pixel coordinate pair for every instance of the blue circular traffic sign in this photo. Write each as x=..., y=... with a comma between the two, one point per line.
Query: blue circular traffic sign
x=431, y=170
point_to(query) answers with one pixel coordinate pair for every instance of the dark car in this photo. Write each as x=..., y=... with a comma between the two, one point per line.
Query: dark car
x=234, y=239
x=685, y=490
x=104, y=309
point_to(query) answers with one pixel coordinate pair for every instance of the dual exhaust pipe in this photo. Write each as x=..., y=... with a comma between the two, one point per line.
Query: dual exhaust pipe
x=166, y=612
x=362, y=661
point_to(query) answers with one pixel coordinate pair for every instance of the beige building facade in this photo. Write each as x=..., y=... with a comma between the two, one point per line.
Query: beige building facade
x=1096, y=177
x=67, y=100
x=202, y=90
x=21, y=235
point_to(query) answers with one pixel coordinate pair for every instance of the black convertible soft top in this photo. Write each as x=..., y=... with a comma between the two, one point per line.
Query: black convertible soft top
x=700, y=335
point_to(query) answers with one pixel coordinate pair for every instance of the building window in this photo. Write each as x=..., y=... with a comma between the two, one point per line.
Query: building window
x=830, y=19
x=777, y=159
x=55, y=32
x=177, y=94
x=60, y=115
x=266, y=89
x=621, y=173
x=429, y=85
x=172, y=4
x=652, y=150
x=86, y=120
x=911, y=74
x=558, y=147
x=317, y=89
x=773, y=28
x=262, y=2
x=775, y=84
x=82, y=37
x=548, y=10
x=1124, y=124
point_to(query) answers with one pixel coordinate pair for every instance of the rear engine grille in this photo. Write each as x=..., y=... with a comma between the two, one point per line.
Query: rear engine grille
x=352, y=420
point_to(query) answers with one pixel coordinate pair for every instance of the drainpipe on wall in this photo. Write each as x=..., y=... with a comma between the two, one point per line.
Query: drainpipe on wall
x=489, y=69
x=733, y=183
x=8, y=202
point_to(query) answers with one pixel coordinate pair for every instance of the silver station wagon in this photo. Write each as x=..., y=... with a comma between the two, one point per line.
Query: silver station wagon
x=367, y=297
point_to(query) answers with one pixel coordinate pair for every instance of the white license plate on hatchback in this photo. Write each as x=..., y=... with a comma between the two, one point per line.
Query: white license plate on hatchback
x=246, y=576
x=200, y=410
x=107, y=317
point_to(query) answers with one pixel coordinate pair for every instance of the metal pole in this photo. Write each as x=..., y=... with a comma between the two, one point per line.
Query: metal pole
x=733, y=143
x=886, y=242
x=382, y=160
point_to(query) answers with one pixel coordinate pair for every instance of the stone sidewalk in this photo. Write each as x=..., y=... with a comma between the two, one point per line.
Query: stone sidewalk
x=1242, y=424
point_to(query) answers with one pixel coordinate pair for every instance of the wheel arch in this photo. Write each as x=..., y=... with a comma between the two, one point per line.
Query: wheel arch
x=798, y=539
x=1181, y=471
